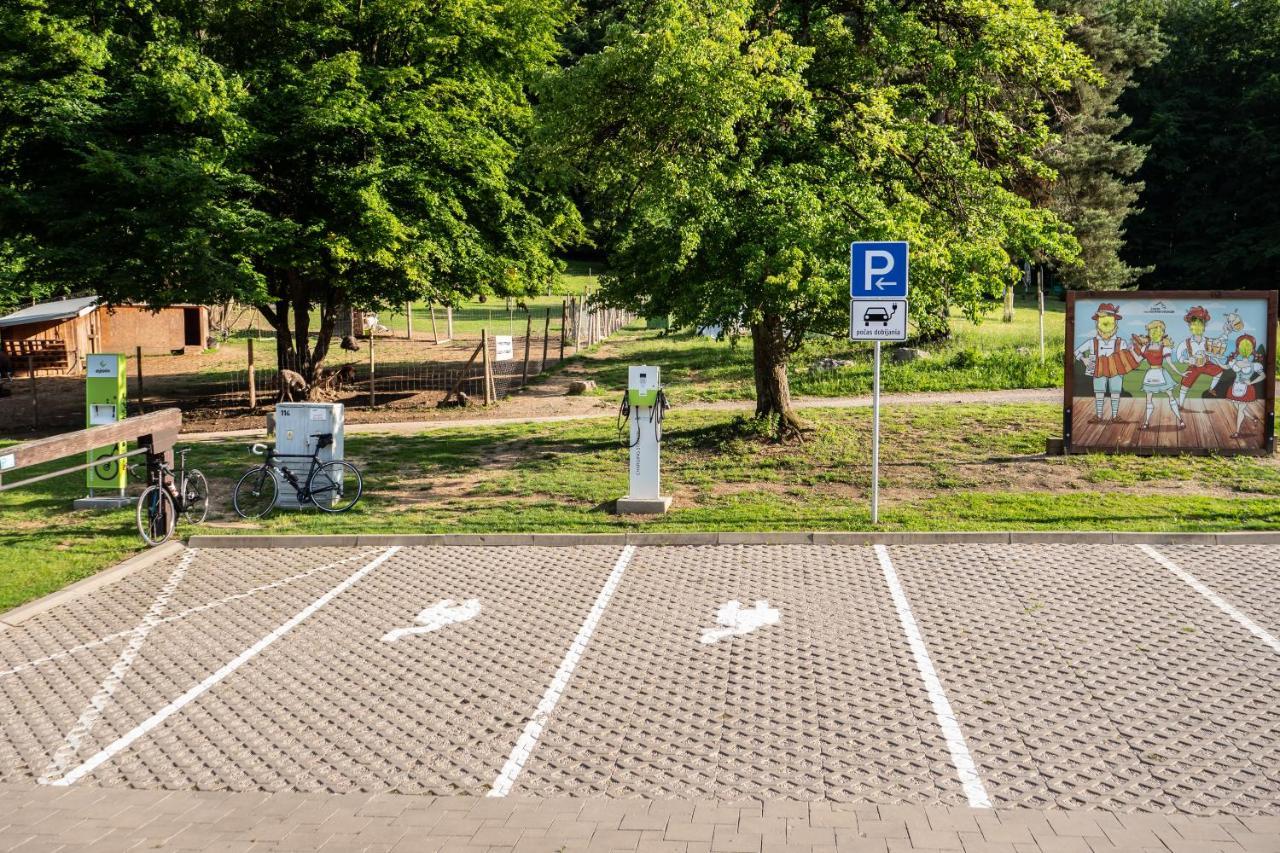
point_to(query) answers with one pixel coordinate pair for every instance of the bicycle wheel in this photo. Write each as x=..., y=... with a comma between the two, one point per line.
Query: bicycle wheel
x=195, y=498
x=255, y=494
x=335, y=486
x=156, y=515
x=107, y=470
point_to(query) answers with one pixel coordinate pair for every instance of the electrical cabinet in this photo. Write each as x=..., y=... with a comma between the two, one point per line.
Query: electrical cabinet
x=297, y=425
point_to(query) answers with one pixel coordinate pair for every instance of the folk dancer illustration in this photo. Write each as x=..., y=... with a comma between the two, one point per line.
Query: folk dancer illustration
x=1199, y=353
x=1248, y=374
x=1106, y=358
x=1154, y=348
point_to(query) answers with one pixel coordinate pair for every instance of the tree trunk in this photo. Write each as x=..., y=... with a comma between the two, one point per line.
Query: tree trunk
x=294, y=348
x=773, y=392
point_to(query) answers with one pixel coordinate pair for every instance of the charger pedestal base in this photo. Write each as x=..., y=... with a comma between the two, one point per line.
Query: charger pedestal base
x=103, y=502
x=643, y=506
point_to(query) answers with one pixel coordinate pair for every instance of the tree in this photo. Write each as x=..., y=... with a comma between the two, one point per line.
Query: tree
x=1094, y=191
x=294, y=156
x=731, y=151
x=1210, y=114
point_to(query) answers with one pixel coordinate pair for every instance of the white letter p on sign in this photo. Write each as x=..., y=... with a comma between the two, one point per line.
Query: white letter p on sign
x=872, y=269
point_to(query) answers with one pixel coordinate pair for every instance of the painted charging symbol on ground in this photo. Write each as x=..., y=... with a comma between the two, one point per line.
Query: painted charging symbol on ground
x=439, y=615
x=733, y=620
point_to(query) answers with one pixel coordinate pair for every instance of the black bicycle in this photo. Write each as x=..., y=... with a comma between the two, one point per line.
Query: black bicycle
x=176, y=491
x=332, y=486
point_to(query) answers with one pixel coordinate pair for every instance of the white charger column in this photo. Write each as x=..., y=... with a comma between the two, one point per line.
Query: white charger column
x=644, y=435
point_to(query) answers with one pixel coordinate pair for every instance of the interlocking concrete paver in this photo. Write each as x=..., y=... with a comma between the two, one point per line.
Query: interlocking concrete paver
x=1081, y=676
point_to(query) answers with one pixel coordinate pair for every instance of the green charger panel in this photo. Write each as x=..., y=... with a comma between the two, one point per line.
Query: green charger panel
x=105, y=393
x=637, y=397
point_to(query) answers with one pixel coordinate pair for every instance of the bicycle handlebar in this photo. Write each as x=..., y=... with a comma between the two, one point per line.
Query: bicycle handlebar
x=258, y=449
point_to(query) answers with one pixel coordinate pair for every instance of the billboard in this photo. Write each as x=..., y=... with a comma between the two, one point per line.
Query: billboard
x=1170, y=372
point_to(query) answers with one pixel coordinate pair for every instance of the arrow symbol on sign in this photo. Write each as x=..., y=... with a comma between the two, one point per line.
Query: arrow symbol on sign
x=437, y=616
x=879, y=284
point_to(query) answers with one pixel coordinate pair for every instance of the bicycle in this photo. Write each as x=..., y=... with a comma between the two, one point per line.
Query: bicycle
x=175, y=491
x=328, y=484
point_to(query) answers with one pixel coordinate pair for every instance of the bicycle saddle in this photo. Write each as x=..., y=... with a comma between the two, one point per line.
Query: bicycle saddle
x=323, y=441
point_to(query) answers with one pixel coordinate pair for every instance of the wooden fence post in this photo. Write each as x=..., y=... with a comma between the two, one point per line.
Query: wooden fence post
x=576, y=307
x=35, y=400
x=435, y=335
x=528, y=333
x=408, y=320
x=140, y=391
x=564, y=312
x=448, y=317
x=253, y=387
x=488, y=368
x=546, y=338
x=373, y=393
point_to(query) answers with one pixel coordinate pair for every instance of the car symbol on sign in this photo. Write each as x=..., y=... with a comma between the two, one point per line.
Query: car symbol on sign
x=878, y=314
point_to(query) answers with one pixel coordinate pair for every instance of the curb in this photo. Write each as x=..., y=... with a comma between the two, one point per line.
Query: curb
x=1019, y=537
x=23, y=612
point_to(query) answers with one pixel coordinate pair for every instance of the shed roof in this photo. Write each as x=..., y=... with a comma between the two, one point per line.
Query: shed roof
x=60, y=309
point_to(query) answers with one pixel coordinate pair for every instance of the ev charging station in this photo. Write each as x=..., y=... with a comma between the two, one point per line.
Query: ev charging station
x=105, y=395
x=643, y=407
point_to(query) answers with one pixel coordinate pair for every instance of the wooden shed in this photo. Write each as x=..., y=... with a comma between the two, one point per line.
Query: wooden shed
x=56, y=336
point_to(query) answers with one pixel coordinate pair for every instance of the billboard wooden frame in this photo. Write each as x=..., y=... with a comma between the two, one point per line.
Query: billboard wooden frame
x=1268, y=384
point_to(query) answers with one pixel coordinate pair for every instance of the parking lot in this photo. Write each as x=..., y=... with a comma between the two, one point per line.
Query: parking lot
x=1120, y=678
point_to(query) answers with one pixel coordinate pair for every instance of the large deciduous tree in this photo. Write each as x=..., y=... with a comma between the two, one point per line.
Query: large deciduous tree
x=292, y=154
x=1210, y=114
x=730, y=151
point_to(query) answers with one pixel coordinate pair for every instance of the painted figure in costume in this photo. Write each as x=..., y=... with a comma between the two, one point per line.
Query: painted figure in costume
x=1156, y=349
x=1199, y=353
x=1248, y=374
x=1107, y=359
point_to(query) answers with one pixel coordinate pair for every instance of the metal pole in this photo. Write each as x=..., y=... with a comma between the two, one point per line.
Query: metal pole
x=140, y=391
x=875, y=441
x=35, y=400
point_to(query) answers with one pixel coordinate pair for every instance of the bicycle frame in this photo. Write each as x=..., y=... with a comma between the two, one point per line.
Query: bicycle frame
x=299, y=486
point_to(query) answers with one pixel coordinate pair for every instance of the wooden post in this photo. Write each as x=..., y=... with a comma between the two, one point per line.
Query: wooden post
x=577, y=317
x=448, y=318
x=373, y=393
x=435, y=335
x=546, y=338
x=408, y=320
x=1040, y=296
x=253, y=386
x=528, y=332
x=564, y=312
x=140, y=392
x=35, y=400
x=488, y=368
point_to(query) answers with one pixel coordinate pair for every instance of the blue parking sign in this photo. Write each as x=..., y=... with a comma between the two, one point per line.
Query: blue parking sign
x=878, y=270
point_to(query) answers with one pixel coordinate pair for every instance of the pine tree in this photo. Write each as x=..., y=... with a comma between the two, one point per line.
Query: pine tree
x=1095, y=190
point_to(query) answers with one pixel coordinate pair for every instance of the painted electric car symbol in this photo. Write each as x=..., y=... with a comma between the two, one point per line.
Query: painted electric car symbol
x=878, y=314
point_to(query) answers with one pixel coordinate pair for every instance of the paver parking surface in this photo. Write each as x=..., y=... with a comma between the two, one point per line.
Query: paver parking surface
x=1080, y=677
x=1090, y=675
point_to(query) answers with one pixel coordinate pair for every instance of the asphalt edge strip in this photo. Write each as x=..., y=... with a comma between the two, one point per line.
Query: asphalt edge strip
x=1037, y=537
x=15, y=617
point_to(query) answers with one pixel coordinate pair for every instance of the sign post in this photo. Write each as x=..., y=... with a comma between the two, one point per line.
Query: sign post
x=878, y=277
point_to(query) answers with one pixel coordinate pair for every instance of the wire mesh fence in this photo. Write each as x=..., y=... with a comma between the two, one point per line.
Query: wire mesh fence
x=484, y=370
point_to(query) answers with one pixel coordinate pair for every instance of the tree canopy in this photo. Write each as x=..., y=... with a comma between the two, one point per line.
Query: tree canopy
x=287, y=154
x=730, y=152
x=1210, y=115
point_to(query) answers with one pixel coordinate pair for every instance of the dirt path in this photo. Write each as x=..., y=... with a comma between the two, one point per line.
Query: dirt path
x=559, y=409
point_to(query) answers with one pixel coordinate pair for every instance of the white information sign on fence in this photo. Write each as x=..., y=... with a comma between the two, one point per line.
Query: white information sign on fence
x=504, y=349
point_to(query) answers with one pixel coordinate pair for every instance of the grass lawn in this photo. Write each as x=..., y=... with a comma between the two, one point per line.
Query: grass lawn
x=943, y=468
x=979, y=356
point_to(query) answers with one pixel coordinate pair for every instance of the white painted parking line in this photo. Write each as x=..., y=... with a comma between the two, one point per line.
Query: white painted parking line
x=437, y=616
x=97, y=704
x=966, y=770
x=1217, y=600
x=533, y=729
x=180, y=615
x=229, y=667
